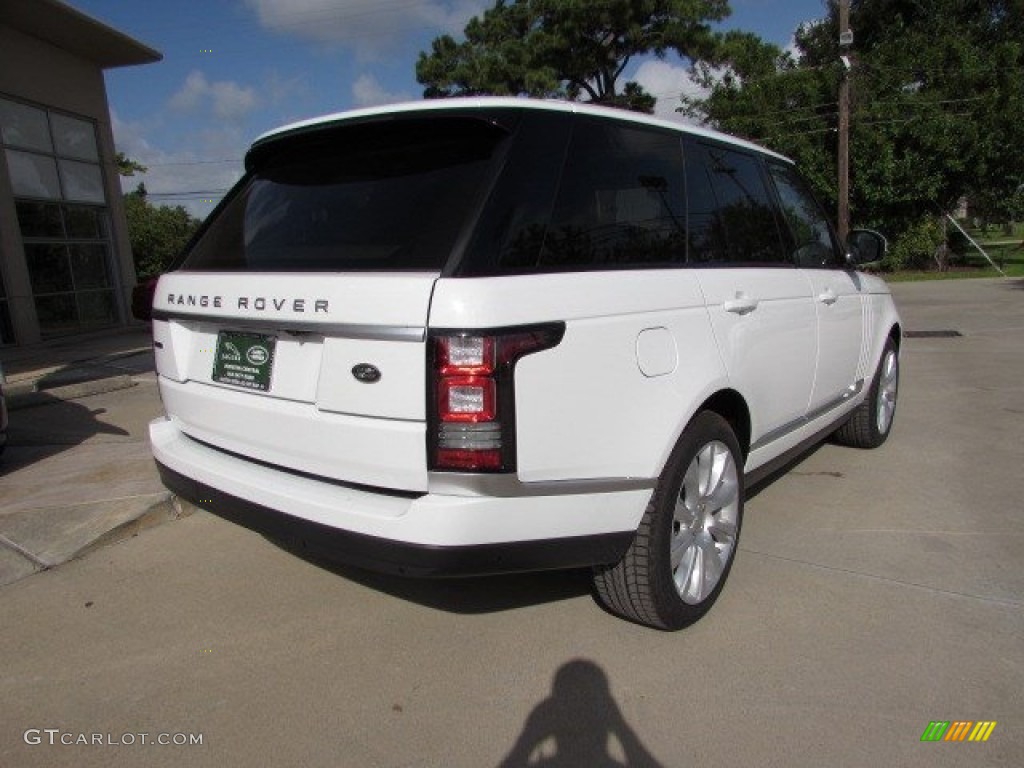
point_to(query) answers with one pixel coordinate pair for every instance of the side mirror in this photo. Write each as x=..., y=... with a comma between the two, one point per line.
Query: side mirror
x=865, y=246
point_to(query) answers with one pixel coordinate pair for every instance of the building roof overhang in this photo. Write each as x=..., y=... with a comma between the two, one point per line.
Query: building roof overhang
x=65, y=27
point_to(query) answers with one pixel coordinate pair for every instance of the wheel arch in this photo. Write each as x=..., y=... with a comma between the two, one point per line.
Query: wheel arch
x=896, y=334
x=731, y=406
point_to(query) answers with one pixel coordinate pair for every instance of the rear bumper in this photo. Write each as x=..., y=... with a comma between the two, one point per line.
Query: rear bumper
x=427, y=535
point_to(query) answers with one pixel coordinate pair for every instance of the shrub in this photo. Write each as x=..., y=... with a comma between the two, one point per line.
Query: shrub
x=915, y=247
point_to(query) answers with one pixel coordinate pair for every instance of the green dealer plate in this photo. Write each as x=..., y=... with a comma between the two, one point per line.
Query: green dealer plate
x=244, y=360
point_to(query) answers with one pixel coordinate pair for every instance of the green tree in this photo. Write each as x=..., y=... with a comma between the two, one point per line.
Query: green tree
x=128, y=167
x=937, y=106
x=158, y=233
x=571, y=49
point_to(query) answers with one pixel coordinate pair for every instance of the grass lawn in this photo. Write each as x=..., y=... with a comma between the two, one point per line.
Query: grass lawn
x=1009, y=255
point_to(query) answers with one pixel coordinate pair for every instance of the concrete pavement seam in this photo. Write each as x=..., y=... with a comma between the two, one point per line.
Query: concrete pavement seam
x=18, y=400
x=30, y=556
x=163, y=511
x=850, y=572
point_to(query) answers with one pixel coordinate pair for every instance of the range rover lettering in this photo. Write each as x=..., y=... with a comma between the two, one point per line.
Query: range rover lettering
x=480, y=336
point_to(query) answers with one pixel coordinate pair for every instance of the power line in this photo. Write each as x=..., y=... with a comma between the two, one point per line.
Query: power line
x=855, y=125
x=795, y=133
x=188, y=193
x=863, y=64
x=192, y=162
x=910, y=102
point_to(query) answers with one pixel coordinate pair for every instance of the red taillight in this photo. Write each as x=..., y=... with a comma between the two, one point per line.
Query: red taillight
x=451, y=458
x=473, y=405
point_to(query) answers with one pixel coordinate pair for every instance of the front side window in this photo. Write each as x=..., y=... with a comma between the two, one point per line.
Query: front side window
x=383, y=196
x=743, y=223
x=812, y=235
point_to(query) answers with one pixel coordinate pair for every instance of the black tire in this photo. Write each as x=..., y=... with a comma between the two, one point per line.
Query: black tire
x=868, y=426
x=642, y=587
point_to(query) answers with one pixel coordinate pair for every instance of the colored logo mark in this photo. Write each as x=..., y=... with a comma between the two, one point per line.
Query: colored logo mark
x=958, y=730
x=257, y=355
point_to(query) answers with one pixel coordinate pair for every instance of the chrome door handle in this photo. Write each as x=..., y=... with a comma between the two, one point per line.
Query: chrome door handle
x=741, y=305
x=828, y=296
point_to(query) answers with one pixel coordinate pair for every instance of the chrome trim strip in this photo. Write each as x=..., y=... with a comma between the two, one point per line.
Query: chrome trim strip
x=509, y=486
x=779, y=433
x=851, y=391
x=287, y=325
x=776, y=434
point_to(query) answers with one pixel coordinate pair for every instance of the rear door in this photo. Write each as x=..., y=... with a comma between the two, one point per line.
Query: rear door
x=294, y=334
x=760, y=304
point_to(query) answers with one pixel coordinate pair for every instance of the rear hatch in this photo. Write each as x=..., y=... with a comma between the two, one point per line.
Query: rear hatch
x=295, y=332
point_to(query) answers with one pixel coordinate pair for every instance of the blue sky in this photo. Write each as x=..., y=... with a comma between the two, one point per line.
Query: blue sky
x=233, y=69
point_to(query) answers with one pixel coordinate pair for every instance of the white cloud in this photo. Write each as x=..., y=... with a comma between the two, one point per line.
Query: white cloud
x=209, y=162
x=792, y=49
x=227, y=99
x=667, y=82
x=368, y=92
x=368, y=26
x=130, y=137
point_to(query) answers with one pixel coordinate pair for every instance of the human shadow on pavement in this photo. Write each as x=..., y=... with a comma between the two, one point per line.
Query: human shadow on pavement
x=579, y=724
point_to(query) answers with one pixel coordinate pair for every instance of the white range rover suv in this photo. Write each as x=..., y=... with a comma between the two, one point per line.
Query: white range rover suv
x=487, y=335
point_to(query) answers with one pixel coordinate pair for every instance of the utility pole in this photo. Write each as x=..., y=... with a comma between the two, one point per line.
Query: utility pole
x=845, y=41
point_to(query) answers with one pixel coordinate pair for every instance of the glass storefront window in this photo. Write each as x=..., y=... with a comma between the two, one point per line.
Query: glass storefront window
x=68, y=257
x=33, y=175
x=81, y=181
x=49, y=269
x=74, y=138
x=96, y=308
x=85, y=222
x=40, y=219
x=89, y=266
x=60, y=199
x=24, y=126
x=57, y=314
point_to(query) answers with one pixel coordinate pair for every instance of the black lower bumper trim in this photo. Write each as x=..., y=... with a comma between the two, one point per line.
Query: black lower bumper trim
x=398, y=557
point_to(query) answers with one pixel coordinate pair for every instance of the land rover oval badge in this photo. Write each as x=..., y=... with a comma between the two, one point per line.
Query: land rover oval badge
x=366, y=373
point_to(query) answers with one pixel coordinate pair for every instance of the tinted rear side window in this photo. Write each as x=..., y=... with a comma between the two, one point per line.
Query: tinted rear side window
x=511, y=230
x=621, y=201
x=743, y=223
x=380, y=196
x=608, y=195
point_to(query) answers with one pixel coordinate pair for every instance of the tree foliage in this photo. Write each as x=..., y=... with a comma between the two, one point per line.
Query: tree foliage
x=572, y=49
x=158, y=233
x=128, y=167
x=937, y=107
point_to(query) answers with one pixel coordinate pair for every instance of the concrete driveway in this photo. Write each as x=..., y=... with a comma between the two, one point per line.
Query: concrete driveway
x=874, y=592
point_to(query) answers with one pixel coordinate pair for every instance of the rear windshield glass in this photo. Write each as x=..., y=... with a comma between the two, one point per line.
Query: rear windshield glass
x=378, y=196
